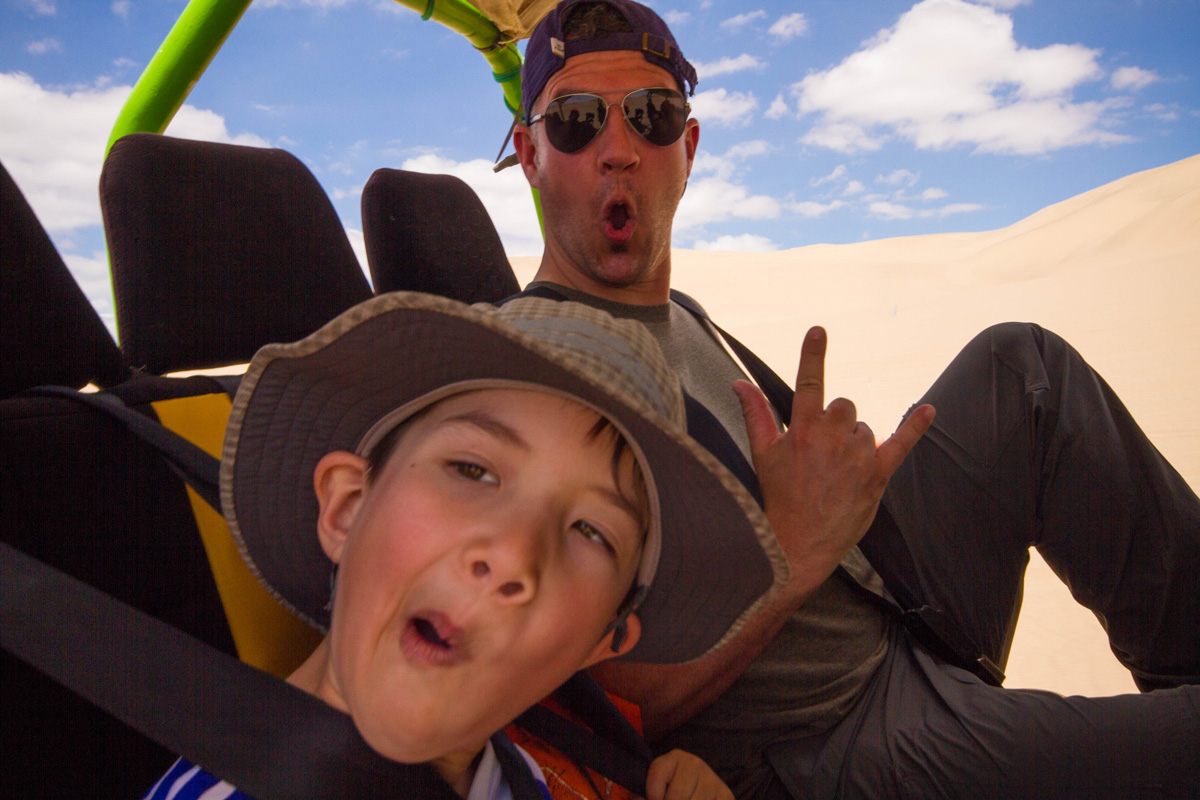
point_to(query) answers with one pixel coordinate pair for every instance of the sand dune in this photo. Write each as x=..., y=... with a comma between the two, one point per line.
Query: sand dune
x=1115, y=270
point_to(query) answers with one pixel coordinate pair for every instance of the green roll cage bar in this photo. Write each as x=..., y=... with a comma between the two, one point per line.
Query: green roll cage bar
x=204, y=25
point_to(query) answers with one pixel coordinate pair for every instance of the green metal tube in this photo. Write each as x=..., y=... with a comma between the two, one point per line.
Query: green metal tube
x=463, y=18
x=180, y=61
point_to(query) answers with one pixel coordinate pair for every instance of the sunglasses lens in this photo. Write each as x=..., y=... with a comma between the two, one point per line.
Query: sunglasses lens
x=658, y=115
x=573, y=121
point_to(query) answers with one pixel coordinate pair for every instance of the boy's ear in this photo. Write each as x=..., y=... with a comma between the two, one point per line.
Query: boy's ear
x=340, y=481
x=604, y=651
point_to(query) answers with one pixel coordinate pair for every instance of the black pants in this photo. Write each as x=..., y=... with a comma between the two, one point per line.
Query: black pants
x=1030, y=448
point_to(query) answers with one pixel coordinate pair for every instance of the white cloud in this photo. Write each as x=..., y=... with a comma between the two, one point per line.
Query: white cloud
x=124, y=63
x=208, y=126
x=853, y=187
x=43, y=46
x=955, y=208
x=727, y=65
x=121, y=8
x=324, y=4
x=778, y=108
x=897, y=177
x=812, y=209
x=933, y=193
x=754, y=147
x=1163, y=112
x=745, y=243
x=358, y=244
x=950, y=73
x=52, y=143
x=742, y=20
x=789, y=27
x=713, y=196
x=41, y=8
x=504, y=194
x=728, y=109
x=676, y=17
x=1133, y=78
x=839, y=172
x=845, y=137
x=714, y=199
x=91, y=273
x=885, y=210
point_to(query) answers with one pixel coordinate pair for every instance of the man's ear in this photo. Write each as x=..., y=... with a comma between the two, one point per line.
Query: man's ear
x=604, y=651
x=526, y=147
x=340, y=481
x=691, y=141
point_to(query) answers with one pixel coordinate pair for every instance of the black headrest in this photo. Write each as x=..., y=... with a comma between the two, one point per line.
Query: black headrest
x=218, y=249
x=430, y=233
x=49, y=330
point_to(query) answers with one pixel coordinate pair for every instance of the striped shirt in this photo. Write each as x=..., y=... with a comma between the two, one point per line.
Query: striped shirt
x=186, y=781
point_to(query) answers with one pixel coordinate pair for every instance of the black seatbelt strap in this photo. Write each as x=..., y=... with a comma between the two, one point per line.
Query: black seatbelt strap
x=587, y=748
x=883, y=544
x=515, y=769
x=195, y=466
x=777, y=391
x=271, y=740
x=201, y=471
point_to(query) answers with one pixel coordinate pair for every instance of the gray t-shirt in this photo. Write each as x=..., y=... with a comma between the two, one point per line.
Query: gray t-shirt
x=809, y=676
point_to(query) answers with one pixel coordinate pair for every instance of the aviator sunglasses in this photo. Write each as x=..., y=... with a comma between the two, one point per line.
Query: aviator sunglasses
x=574, y=120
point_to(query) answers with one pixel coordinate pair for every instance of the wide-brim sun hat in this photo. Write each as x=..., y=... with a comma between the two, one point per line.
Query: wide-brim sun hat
x=710, y=559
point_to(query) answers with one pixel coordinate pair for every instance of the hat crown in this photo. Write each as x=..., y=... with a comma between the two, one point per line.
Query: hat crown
x=619, y=354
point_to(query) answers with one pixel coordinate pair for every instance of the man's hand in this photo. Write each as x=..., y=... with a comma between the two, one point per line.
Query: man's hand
x=683, y=776
x=823, y=478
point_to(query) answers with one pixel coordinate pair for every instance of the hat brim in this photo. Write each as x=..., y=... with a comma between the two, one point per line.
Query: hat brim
x=718, y=562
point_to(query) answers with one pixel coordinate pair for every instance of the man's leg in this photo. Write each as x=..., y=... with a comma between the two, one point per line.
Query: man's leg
x=928, y=730
x=1031, y=448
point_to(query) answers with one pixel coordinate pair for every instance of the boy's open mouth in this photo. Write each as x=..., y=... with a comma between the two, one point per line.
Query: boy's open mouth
x=432, y=639
x=427, y=631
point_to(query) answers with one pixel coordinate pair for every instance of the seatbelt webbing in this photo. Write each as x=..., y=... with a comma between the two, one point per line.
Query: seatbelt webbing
x=271, y=740
x=197, y=468
x=200, y=471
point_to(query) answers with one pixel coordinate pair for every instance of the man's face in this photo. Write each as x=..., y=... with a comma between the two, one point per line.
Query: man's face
x=608, y=208
x=478, y=570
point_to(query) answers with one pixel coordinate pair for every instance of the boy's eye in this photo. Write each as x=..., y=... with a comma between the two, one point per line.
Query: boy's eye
x=474, y=472
x=591, y=533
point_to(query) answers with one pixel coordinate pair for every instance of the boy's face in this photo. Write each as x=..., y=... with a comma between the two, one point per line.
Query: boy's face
x=477, y=571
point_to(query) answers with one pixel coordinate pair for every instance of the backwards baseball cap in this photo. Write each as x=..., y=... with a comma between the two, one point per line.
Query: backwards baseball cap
x=548, y=48
x=710, y=559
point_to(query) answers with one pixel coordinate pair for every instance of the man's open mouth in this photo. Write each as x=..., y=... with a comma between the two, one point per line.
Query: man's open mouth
x=618, y=215
x=619, y=222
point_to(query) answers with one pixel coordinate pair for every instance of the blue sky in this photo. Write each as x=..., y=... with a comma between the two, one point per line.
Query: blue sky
x=825, y=121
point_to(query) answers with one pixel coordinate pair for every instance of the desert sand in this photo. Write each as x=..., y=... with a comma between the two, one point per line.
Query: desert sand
x=1115, y=270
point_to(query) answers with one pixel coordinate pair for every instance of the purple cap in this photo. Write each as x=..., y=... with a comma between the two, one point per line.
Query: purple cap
x=548, y=51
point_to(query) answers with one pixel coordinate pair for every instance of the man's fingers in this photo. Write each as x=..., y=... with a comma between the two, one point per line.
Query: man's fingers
x=892, y=452
x=810, y=377
x=760, y=421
